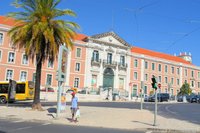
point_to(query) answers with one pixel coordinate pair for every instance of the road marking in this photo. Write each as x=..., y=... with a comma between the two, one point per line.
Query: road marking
x=17, y=121
x=167, y=108
x=22, y=128
x=148, y=132
x=46, y=124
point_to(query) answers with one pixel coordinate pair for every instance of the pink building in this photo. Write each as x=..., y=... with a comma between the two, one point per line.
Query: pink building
x=103, y=61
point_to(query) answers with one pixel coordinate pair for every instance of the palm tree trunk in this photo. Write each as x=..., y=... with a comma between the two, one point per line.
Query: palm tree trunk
x=36, y=103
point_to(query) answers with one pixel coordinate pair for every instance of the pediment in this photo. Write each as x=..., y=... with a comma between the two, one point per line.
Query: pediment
x=110, y=38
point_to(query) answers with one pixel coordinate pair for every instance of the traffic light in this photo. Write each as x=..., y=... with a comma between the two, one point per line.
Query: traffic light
x=154, y=83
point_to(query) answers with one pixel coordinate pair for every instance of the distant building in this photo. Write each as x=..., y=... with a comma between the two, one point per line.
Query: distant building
x=104, y=61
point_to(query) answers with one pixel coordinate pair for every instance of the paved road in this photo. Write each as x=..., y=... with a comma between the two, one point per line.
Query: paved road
x=19, y=126
x=182, y=111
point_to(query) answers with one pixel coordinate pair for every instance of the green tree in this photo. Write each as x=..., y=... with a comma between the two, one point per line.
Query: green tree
x=185, y=89
x=40, y=30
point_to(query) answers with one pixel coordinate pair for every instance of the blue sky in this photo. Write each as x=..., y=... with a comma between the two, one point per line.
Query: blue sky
x=168, y=26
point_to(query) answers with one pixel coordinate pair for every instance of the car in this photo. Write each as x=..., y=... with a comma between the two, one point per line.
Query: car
x=194, y=98
x=179, y=98
x=82, y=91
x=47, y=89
x=146, y=98
x=160, y=97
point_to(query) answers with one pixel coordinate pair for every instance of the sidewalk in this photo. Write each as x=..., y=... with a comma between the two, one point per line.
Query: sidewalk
x=100, y=117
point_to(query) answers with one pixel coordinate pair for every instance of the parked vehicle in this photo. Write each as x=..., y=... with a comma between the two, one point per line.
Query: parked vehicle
x=47, y=89
x=194, y=98
x=180, y=98
x=160, y=97
x=146, y=98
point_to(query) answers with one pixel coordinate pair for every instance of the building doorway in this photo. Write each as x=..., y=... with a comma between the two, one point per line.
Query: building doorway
x=108, y=78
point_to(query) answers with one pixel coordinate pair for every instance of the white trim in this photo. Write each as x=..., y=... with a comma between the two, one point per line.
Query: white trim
x=1, y=54
x=78, y=82
x=80, y=52
x=23, y=58
x=51, y=79
x=48, y=65
x=79, y=67
x=21, y=73
x=1, y=44
x=6, y=73
x=13, y=58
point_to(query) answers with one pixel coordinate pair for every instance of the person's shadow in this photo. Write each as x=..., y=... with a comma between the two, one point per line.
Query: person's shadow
x=70, y=119
x=51, y=111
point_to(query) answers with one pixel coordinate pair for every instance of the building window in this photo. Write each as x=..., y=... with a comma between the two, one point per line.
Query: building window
x=178, y=71
x=34, y=77
x=9, y=75
x=135, y=63
x=1, y=38
x=192, y=74
x=50, y=64
x=25, y=59
x=76, y=82
x=172, y=81
x=95, y=56
x=172, y=70
x=135, y=75
x=160, y=79
x=166, y=68
x=23, y=76
x=146, y=65
x=153, y=66
x=49, y=79
x=159, y=68
x=11, y=57
x=78, y=52
x=109, y=58
x=178, y=82
x=192, y=84
x=122, y=60
x=185, y=72
x=77, y=68
x=146, y=77
x=198, y=75
x=166, y=80
x=165, y=90
x=198, y=84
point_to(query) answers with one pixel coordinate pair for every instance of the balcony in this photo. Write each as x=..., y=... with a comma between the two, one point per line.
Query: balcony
x=122, y=66
x=96, y=62
x=112, y=64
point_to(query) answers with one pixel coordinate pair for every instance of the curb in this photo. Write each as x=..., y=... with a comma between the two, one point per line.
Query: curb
x=158, y=130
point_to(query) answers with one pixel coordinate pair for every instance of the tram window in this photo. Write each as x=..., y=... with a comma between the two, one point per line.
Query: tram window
x=20, y=88
x=3, y=88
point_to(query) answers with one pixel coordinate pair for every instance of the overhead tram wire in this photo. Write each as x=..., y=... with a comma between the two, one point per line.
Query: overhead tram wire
x=139, y=10
x=185, y=35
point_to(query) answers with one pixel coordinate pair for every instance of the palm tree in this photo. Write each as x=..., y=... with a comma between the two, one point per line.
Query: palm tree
x=40, y=31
